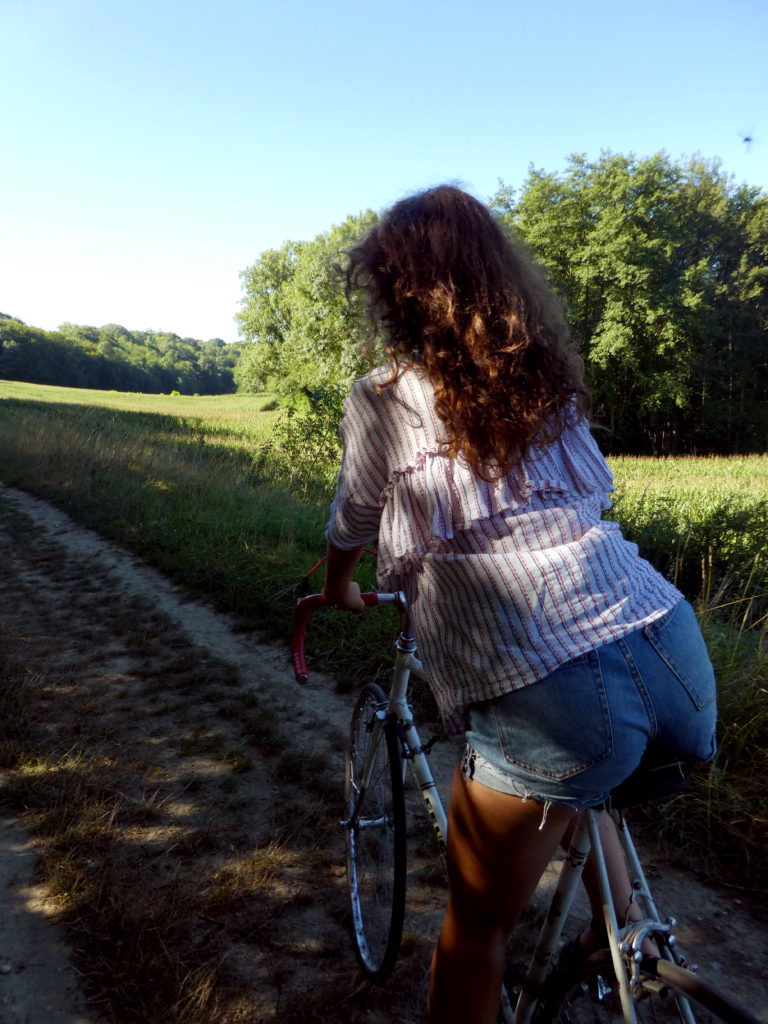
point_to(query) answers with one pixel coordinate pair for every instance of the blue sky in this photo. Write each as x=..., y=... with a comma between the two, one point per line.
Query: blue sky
x=150, y=150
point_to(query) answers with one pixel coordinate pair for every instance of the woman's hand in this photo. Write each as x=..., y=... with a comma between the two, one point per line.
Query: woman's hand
x=348, y=600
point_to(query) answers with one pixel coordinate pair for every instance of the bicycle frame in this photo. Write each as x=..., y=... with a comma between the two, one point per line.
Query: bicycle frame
x=586, y=837
x=624, y=943
x=411, y=747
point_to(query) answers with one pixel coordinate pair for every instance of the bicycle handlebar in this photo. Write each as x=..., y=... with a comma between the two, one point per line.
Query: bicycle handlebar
x=304, y=608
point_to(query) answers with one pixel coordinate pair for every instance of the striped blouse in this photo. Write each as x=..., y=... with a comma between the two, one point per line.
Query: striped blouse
x=506, y=580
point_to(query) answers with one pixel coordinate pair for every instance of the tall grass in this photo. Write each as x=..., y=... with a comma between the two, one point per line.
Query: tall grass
x=702, y=521
x=227, y=503
x=232, y=507
x=728, y=808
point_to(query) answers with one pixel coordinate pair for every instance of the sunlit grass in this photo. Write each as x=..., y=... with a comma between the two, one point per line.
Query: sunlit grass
x=230, y=409
x=701, y=521
x=711, y=474
x=192, y=485
x=191, y=494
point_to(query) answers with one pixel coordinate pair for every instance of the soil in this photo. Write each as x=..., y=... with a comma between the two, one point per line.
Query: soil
x=64, y=590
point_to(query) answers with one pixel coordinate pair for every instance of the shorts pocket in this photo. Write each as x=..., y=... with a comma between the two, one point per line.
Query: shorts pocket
x=677, y=639
x=559, y=726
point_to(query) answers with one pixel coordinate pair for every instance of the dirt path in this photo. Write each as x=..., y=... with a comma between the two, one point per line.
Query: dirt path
x=95, y=630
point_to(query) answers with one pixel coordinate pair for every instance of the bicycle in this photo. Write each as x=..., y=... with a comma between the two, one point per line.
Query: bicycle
x=617, y=983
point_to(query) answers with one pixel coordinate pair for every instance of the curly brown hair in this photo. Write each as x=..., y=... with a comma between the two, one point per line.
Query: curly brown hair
x=458, y=297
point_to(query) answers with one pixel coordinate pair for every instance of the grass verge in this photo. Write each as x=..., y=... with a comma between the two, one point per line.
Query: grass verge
x=186, y=828
x=212, y=503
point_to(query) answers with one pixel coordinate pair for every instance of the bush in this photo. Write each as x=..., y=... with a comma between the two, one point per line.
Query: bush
x=303, y=451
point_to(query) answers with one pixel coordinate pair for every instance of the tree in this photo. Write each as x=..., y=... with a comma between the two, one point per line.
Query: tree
x=733, y=413
x=303, y=333
x=663, y=267
x=265, y=316
x=662, y=270
x=114, y=357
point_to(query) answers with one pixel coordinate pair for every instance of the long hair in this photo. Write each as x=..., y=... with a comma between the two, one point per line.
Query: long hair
x=456, y=296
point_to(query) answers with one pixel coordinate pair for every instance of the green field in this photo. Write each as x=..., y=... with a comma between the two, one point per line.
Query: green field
x=207, y=491
x=170, y=474
x=233, y=410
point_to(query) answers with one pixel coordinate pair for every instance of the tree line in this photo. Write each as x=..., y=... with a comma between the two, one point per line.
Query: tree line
x=113, y=358
x=663, y=267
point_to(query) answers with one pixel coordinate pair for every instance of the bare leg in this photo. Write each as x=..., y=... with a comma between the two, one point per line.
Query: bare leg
x=618, y=877
x=497, y=852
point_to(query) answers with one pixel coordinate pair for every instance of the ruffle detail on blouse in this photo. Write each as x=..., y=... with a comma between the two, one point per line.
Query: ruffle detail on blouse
x=578, y=461
x=450, y=498
x=446, y=497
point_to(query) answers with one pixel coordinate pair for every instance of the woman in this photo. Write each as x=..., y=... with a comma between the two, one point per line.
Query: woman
x=545, y=637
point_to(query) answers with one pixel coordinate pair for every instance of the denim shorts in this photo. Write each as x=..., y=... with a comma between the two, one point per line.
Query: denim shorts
x=573, y=736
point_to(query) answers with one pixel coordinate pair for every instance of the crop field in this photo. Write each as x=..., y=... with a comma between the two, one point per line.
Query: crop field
x=703, y=521
x=230, y=498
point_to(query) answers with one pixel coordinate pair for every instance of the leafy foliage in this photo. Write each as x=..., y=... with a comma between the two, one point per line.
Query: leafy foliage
x=664, y=268
x=112, y=357
x=303, y=450
x=301, y=332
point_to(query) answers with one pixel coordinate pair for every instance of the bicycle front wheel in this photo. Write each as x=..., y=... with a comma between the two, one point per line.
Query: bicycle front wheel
x=375, y=834
x=590, y=995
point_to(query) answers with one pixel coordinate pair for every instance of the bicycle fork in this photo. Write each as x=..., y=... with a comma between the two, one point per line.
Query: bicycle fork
x=376, y=728
x=410, y=743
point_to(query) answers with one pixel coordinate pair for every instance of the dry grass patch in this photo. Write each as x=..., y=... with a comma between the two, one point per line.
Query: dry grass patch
x=187, y=830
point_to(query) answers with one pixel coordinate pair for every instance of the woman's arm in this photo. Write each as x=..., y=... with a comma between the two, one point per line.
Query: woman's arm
x=338, y=586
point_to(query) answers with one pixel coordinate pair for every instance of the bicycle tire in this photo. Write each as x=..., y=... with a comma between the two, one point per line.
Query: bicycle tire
x=590, y=995
x=375, y=838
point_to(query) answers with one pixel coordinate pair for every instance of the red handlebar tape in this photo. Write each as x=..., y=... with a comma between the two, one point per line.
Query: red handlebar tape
x=302, y=611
